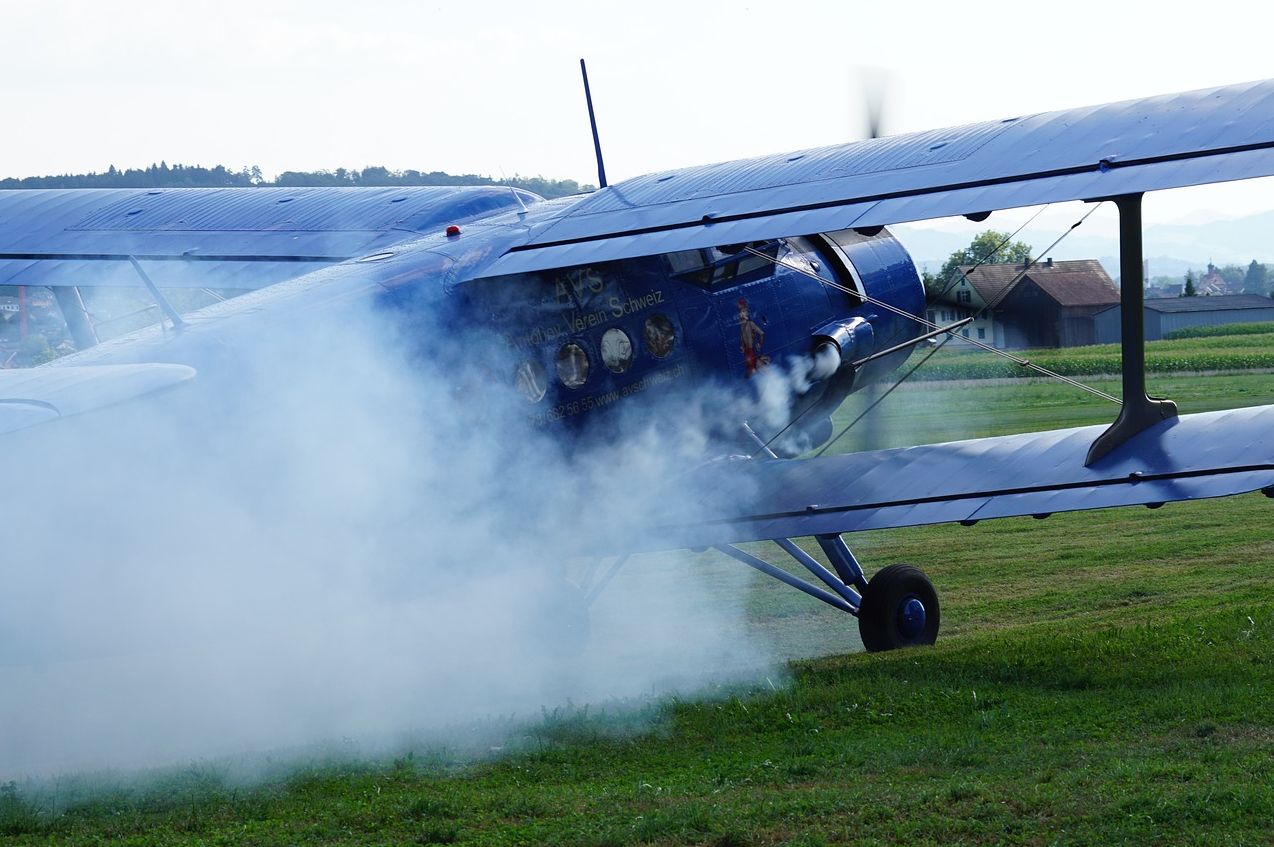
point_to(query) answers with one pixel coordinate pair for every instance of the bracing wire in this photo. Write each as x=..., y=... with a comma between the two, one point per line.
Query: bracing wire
x=1026, y=363
x=950, y=284
x=955, y=277
x=890, y=390
x=903, y=313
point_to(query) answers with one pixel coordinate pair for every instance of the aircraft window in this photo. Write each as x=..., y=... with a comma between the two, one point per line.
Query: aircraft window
x=660, y=334
x=572, y=365
x=617, y=350
x=750, y=264
x=715, y=267
x=531, y=381
x=686, y=261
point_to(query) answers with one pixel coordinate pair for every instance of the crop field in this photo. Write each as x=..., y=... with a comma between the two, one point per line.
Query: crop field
x=1220, y=352
x=1101, y=678
x=931, y=412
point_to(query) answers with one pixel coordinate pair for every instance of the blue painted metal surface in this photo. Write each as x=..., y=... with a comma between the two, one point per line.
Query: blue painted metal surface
x=843, y=560
x=536, y=314
x=248, y=227
x=785, y=577
x=1141, y=145
x=912, y=617
x=1195, y=456
x=813, y=566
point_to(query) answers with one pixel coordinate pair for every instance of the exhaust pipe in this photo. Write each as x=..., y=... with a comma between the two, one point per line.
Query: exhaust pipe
x=839, y=343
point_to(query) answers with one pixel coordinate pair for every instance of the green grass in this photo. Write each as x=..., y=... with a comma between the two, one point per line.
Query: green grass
x=1223, y=352
x=1102, y=678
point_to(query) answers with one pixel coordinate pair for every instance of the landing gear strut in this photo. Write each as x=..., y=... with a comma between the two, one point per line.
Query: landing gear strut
x=898, y=607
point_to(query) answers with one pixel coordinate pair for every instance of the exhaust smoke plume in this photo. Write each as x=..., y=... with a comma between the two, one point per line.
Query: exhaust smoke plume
x=330, y=535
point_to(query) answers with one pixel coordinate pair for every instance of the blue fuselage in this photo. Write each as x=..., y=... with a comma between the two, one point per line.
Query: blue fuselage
x=585, y=340
x=576, y=344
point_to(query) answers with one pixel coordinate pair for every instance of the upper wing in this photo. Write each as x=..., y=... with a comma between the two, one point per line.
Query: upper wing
x=1195, y=456
x=242, y=238
x=1080, y=154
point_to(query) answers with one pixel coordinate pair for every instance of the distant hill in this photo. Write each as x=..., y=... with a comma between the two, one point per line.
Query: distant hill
x=163, y=175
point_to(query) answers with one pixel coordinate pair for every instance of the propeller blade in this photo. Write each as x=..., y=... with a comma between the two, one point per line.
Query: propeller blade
x=875, y=83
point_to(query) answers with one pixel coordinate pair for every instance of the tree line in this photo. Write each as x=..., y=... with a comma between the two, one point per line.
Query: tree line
x=164, y=175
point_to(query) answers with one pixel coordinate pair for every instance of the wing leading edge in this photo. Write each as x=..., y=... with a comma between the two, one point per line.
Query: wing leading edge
x=239, y=238
x=1135, y=146
x=1192, y=457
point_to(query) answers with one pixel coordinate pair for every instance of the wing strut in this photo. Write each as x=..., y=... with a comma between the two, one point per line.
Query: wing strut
x=78, y=321
x=1140, y=410
x=160, y=299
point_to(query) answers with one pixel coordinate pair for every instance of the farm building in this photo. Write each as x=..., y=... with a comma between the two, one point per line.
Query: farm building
x=1172, y=313
x=1043, y=304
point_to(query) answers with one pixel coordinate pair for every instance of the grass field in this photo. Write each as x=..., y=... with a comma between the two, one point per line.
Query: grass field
x=1102, y=678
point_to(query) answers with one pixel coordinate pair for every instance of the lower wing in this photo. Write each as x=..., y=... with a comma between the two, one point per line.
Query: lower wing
x=30, y=396
x=1213, y=454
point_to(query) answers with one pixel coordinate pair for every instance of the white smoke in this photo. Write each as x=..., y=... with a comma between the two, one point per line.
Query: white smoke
x=330, y=537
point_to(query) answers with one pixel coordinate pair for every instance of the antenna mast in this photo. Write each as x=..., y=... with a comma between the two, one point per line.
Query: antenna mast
x=592, y=120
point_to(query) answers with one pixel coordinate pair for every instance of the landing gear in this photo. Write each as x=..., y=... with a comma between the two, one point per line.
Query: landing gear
x=899, y=609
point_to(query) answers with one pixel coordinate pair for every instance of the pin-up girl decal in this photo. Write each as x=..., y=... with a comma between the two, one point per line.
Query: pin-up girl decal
x=751, y=337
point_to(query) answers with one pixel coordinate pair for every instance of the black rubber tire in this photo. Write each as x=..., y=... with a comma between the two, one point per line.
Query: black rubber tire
x=878, y=616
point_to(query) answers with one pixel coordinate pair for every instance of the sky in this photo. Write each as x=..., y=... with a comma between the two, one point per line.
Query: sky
x=493, y=87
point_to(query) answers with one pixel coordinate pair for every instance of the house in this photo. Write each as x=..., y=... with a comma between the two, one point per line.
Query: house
x=1212, y=284
x=1173, y=313
x=1039, y=304
x=968, y=298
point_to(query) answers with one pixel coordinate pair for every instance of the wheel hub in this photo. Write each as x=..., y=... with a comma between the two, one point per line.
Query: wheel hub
x=911, y=617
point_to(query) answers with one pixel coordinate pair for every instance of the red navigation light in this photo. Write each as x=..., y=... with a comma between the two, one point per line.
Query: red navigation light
x=453, y=231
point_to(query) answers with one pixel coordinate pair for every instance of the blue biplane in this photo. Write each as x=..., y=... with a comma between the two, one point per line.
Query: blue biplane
x=707, y=274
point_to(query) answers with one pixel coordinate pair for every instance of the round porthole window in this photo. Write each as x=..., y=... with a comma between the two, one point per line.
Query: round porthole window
x=572, y=365
x=531, y=381
x=660, y=334
x=617, y=350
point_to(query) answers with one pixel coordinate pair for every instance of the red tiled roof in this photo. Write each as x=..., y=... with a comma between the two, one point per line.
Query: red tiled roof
x=991, y=281
x=1077, y=289
x=1081, y=282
